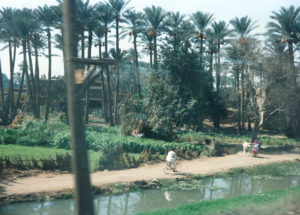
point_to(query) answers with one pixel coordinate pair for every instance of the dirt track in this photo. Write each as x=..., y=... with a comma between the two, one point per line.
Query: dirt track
x=51, y=182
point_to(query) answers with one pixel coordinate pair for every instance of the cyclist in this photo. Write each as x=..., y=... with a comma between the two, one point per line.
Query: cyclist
x=171, y=160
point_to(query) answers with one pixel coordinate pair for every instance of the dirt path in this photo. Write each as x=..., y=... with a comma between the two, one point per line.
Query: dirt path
x=51, y=182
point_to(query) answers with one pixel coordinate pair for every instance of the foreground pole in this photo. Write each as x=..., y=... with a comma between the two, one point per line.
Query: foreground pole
x=83, y=196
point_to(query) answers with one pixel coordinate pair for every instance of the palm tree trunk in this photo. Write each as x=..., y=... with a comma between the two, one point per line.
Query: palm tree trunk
x=87, y=93
x=118, y=74
x=151, y=57
x=11, y=81
x=32, y=79
x=137, y=66
x=37, y=82
x=238, y=101
x=49, y=76
x=243, y=100
x=4, y=114
x=82, y=43
x=109, y=90
x=19, y=93
x=103, y=91
x=155, y=52
x=211, y=67
x=25, y=69
x=218, y=76
x=201, y=52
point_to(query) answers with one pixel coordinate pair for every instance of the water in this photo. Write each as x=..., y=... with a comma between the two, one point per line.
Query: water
x=150, y=200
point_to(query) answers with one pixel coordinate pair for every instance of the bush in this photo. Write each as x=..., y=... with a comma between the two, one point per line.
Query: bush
x=111, y=157
x=62, y=140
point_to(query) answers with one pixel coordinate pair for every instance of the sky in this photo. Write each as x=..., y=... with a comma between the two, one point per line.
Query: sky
x=258, y=10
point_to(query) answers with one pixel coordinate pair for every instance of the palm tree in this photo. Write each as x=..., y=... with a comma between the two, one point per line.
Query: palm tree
x=220, y=31
x=242, y=27
x=148, y=41
x=173, y=26
x=38, y=43
x=25, y=23
x=136, y=26
x=285, y=24
x=106, y=17
x=155, y=17
x=118, y=9
x=48, y=17
x=201, y=21
x=8, y=34
x=99, y=33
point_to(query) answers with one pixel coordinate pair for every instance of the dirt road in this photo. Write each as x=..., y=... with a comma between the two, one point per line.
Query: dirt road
x=51, y=182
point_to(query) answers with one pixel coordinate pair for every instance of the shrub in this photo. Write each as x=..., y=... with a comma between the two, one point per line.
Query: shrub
x=62, y=140
x=111, y=157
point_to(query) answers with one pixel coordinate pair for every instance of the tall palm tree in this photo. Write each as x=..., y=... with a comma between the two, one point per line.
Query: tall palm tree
x=86, y=20
x=286, y=25
x=99, y=34
x=220, y=31
x=106, y=17
x=118, y=8
x=25, y=23
x=173, y=27
x=38, y=43
x=8, y=34
x=155, y=17
x=48, y=17
x=201, y=21
x=148, y=42
x=242, y=28
x=136, y=25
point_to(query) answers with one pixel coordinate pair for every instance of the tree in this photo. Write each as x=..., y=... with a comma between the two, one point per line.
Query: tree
x=25, y=23
x=286, y=24
x=155, y=17
x=136, y=26
x=201, y=21
x=118, y=9
x=8, y=34
x=48, y=17
x=106, y=16
x=242, y=27
x=174, y=28
x=220, y=31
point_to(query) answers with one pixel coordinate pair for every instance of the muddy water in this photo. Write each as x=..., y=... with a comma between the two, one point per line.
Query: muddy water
x=135, y=202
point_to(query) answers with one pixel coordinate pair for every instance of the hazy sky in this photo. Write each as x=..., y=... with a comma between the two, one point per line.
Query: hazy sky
x=259, y=10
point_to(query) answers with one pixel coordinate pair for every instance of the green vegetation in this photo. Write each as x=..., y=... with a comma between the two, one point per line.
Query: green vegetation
x=239, y=205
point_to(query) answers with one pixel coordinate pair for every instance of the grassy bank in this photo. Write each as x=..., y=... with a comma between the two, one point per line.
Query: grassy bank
x=264, y=203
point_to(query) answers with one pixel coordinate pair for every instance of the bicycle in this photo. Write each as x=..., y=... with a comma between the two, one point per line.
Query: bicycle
x=168, y=167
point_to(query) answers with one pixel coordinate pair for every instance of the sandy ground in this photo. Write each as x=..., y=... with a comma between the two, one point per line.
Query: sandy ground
x=53, y=182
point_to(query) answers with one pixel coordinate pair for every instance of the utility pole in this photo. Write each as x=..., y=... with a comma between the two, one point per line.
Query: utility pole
x=83, y=195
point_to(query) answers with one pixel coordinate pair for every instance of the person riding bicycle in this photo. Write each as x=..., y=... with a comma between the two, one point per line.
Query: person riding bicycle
x=171, y=160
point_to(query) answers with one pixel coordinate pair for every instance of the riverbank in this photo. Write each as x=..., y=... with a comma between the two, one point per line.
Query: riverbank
x=272, y=202
x=45, y=186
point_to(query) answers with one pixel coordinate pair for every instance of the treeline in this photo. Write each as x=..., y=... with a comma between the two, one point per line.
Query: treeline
x=198, y=66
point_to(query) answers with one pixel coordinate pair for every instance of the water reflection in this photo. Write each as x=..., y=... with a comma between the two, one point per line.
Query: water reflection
x=135, y=202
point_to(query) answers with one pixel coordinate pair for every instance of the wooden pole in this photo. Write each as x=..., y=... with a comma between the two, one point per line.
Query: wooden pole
x=83, y=196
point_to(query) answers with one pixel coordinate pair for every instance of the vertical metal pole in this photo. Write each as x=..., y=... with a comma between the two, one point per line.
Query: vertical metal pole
x=83, y=196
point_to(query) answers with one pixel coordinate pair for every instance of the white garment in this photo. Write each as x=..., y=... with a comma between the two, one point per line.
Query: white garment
x=171, y=157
